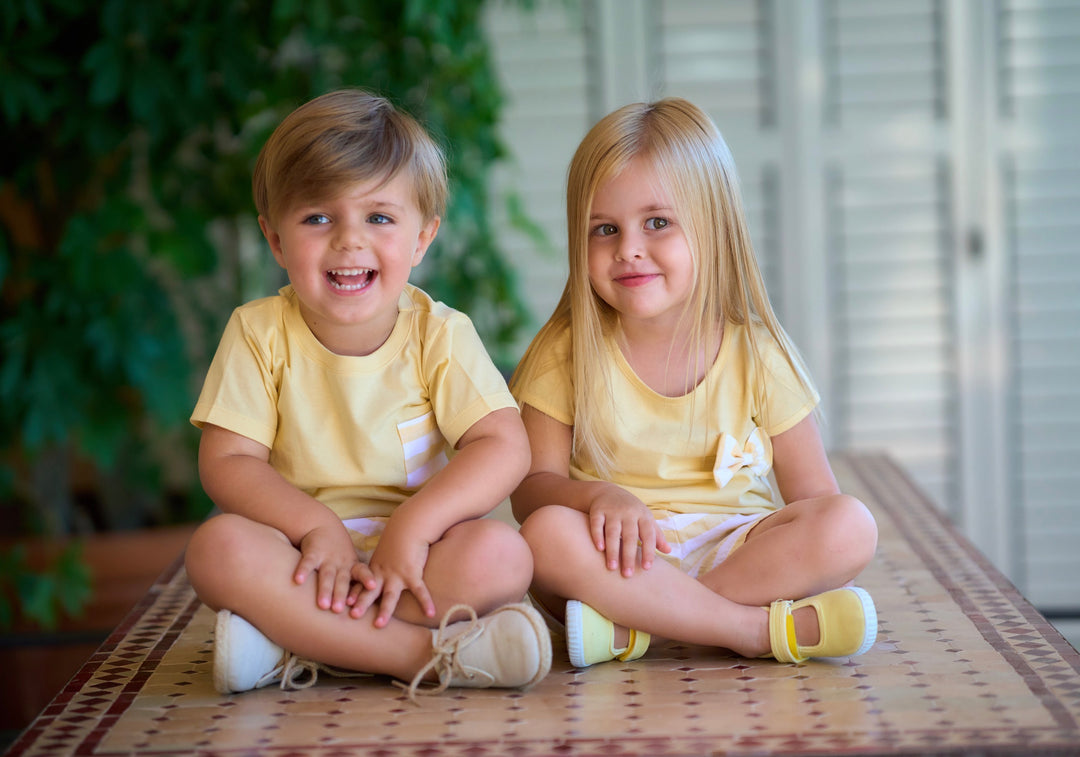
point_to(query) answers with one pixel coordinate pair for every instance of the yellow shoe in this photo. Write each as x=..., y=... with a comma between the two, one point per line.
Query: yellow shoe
x=846, y=617
x=590, y=637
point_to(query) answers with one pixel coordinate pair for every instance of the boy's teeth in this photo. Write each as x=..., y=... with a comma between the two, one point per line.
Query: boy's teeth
x=350, y=279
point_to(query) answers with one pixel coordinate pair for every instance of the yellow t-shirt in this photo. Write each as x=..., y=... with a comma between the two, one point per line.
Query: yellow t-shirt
x=695, y=453
x=360, y=434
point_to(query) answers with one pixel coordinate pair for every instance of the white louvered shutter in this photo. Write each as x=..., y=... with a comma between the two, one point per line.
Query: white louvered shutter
x=1038, y=104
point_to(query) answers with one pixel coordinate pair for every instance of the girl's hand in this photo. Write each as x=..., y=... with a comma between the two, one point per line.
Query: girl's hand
x=396, y=566
x=328, y=551
x=618, y=521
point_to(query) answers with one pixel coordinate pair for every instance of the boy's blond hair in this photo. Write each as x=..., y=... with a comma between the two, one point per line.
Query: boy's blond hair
x=340, y=139
x=694, y=164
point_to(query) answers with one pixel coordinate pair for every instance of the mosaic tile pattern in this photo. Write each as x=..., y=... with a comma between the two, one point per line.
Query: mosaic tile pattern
x=962, y=665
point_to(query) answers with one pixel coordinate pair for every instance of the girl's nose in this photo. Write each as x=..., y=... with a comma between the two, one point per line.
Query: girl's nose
x=630, y=247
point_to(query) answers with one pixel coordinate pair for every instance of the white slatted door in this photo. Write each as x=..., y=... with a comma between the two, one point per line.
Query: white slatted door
x=887, y=236
x=1038, y=103
x=543, y=64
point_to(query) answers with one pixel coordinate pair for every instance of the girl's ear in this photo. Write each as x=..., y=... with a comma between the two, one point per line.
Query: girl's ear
x=425, y=238
x=273, y=239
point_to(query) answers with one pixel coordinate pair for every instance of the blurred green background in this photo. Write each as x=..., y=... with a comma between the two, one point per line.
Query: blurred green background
x=127, y=230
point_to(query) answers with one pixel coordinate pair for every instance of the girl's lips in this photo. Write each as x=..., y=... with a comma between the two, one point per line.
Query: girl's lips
x=636, y=279
x=350, y=279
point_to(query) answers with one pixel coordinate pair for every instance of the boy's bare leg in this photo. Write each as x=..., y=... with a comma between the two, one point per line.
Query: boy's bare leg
x=481, y=563
x=246, y=567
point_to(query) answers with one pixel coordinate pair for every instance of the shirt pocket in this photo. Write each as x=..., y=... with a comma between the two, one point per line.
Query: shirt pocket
x=424, y=449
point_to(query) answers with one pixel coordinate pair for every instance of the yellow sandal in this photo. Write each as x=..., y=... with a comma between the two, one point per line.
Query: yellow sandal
x=590, y=637
x=846, y=617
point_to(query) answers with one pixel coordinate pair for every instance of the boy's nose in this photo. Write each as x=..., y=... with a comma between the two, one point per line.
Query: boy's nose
x=349, y=236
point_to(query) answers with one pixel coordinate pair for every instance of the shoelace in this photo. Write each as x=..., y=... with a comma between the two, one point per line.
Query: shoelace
x=445, y=659
x=294, y=669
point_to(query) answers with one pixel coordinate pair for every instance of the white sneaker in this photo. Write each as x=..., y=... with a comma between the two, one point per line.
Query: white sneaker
x=244, y=659
x=509, y=647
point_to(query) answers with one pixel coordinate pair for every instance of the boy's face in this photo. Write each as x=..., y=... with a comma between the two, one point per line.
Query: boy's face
x=348, y=258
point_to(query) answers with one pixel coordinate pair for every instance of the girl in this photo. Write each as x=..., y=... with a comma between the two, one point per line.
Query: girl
x=657, y=399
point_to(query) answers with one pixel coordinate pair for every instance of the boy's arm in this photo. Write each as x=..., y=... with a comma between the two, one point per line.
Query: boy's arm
x=236, y=473
x=618, y=520
x=490, y=459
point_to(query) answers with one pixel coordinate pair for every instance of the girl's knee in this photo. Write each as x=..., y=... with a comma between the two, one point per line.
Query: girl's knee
x=551, y=525
x=852, y=529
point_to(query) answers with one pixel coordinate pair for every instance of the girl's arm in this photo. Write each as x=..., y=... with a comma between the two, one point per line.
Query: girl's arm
x=490, y=460
x=236, y=473
x=617, y=519
x=800, y=464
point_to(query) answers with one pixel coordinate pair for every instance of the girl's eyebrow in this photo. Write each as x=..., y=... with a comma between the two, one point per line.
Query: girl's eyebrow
x=646, y=209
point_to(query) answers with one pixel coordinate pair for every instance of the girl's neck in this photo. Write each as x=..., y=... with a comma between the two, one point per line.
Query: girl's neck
x=671, y=363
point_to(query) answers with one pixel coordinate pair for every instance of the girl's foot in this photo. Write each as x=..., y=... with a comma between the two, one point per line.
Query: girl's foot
x=846, y=619
x=591, y=638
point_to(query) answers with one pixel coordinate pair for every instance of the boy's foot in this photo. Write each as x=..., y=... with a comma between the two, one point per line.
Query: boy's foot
x=244, y=659
x=847, y=623
x=509, y=647
x=590, y=637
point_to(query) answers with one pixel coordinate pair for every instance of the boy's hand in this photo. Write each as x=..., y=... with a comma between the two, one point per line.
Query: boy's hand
x=396, y=566
x=618, y=521
x=328, y=551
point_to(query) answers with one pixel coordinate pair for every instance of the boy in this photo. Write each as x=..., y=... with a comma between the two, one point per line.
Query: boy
x=326, y=415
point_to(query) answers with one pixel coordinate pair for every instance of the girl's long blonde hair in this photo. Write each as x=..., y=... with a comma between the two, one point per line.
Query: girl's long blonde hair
x=693, y=162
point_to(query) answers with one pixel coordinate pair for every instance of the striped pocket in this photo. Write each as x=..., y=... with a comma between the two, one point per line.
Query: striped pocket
x=424, y=448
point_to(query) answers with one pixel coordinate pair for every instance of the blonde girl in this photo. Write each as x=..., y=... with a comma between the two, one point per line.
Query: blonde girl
x=658, y=399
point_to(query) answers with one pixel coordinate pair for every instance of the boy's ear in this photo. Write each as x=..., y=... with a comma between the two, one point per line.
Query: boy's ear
x=273, y=239
x=424, y=240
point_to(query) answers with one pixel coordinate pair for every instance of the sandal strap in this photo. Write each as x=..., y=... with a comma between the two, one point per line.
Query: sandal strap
x=785, y=647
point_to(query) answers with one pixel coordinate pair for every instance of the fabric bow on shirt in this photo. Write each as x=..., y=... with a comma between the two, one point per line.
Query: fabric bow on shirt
x=755, y=454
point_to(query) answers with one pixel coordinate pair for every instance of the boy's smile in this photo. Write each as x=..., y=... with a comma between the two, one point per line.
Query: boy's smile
x=351, y=279
x=349, y=258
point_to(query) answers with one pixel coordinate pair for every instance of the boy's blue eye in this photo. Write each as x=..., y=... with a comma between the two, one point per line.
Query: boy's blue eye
x=379, y=218
x=316, y=219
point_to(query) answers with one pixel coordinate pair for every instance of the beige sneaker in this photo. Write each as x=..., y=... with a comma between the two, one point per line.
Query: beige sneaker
x=509, y=647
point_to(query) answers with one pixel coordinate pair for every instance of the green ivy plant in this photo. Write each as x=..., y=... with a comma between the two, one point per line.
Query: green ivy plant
x=131, y=130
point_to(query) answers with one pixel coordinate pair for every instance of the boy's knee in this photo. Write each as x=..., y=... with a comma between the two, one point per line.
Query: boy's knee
x=213, y=546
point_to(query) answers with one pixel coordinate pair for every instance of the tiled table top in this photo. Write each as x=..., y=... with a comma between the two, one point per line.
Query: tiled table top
x=963, y=665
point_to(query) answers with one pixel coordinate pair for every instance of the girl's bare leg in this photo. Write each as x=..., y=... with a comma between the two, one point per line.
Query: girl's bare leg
x=804, y=549
x=662, y=601
x=246, y=567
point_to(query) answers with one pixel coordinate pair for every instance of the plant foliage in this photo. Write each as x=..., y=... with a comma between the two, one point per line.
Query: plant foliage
x=131, y=129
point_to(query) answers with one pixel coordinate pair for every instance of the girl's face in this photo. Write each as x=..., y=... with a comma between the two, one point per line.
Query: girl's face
x=638, y=257
x=349, y=258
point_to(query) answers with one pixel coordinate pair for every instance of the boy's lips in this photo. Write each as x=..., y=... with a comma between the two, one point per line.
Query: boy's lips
x=350, y=279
